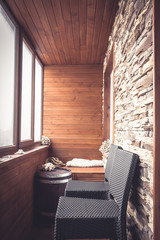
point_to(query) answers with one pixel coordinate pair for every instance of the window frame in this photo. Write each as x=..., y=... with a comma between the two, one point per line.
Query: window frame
x=20, y=37
x=107, y=88
x=8, y=149
x=24, y=38
x=111, y=126
x=39, y=61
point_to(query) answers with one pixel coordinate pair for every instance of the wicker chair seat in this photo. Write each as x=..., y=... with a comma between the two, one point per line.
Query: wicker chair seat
x=96, y=190
x=86, y=189
x=86, y=218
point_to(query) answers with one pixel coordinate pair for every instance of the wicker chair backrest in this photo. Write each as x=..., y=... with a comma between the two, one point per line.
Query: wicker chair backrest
x=110, y=160
x=122, y=175
x=121, y=179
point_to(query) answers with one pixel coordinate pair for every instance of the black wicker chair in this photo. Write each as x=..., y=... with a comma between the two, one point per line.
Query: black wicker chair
x=94, y=218
x=97, y=190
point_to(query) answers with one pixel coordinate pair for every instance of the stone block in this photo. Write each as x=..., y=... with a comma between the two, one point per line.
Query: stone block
x=146, y=81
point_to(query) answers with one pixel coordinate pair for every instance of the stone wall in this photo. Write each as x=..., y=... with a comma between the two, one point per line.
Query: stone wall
x=133, y=76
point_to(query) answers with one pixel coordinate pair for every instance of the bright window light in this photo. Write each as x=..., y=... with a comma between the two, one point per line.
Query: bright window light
x=7, y=79
x=111, y=107
x=38, y=102
x=26, y=104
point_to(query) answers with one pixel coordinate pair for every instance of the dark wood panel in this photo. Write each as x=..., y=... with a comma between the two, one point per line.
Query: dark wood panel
x=91, y=11
x=87, y=174
x=90, y=69
x=36, y=26
x=73, y=141
x=16, y=194
x=76, y=146
x=72, y=115
x=70, y=120
x=68, y=154
x=73, y=132
x=71, y=101
x=81, y=127
x=97, y=28
x=57, y=9
x=67, y=31
x=75, y=26
x=103, y=40
x=39, y=5
x=65, y=6
x=82, y=23
x=48, y=6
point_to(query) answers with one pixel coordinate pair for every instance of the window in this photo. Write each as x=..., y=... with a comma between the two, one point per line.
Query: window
x=8, y=33
x=108, y=124
x=38, y=102
x=26, y=93
x=111, y=107
x=20, y=88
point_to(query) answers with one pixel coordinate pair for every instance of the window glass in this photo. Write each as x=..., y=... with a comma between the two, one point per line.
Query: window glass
x=7, y=78
x=38, y=102
x=26, y=99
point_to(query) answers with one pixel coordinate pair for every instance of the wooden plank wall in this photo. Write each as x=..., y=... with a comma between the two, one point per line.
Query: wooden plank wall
x=16, y=194
x=72, y=110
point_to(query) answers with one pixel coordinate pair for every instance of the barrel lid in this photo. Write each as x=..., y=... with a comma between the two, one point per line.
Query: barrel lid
x=56, y=173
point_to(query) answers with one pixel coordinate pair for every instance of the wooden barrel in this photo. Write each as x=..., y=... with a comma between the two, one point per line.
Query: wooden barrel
x=49, y=186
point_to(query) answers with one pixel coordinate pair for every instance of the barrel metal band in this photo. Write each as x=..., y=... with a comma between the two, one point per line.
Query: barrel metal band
x=55, y=181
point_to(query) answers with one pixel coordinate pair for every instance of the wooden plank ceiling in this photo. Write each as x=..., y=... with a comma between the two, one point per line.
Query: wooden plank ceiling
x=67, y=31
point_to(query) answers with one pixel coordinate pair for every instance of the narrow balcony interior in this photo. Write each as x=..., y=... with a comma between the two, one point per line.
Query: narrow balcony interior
x=78, y=72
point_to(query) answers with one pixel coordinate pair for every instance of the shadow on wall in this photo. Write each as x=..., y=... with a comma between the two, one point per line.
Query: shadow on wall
x=137, y=221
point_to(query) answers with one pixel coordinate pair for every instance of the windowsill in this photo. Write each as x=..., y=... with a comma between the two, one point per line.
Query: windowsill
x=5, y=160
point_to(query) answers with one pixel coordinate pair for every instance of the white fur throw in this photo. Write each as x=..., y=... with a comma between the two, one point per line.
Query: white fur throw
x=78, y=162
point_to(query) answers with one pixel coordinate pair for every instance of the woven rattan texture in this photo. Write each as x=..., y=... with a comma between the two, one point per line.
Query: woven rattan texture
x=120, y=184
x=91, y=218
x=85, y=217
x=110, y=161
x=84, y=189
x=96, y=190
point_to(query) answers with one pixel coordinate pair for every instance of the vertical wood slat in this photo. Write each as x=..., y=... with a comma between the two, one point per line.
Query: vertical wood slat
x=55, y=32
x=82, y=23
x=68, y=27
x=102, y=43
x=39, y=19
x=97, y=28
x=156, y=152
x=44, y=19
x=91, y=10
x=57, y=9
x=113, y=6
x=75, y=26
x=72, y=111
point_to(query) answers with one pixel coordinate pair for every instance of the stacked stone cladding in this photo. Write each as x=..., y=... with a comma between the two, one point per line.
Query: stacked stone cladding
x=133, y=90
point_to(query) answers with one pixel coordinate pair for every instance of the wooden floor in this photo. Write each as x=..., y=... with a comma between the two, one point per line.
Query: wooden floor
x=45, y=233
x=41, y=233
